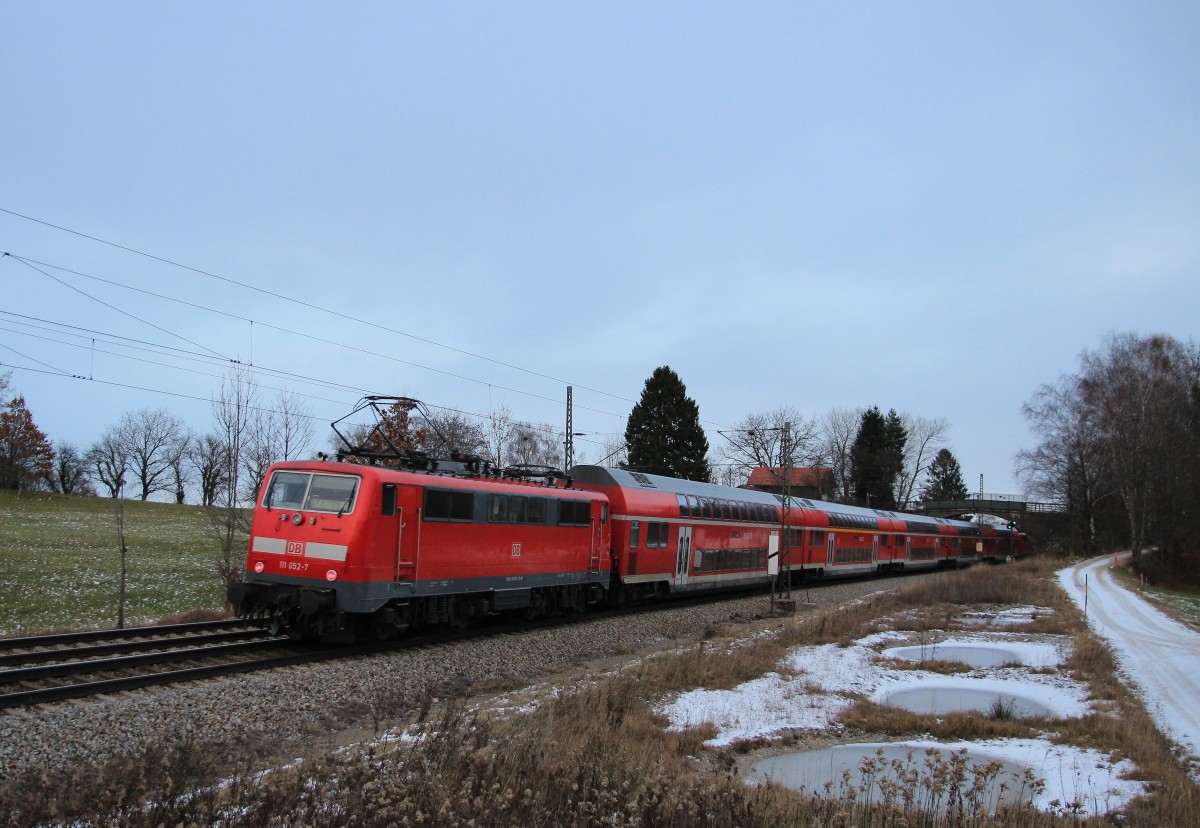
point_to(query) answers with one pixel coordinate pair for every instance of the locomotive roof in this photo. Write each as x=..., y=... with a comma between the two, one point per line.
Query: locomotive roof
x=606, y=476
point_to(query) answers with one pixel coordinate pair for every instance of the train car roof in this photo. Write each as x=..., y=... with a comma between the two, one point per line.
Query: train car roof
x=606, y=476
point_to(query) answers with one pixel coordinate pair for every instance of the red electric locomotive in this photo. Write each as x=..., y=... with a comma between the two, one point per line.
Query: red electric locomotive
x=341, y=551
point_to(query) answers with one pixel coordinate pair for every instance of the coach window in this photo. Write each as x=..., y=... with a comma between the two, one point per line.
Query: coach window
x=706, y=507
x=635, y=528
x=517, y=509
x=498, y=508
x=684, y=509
x=651, y=535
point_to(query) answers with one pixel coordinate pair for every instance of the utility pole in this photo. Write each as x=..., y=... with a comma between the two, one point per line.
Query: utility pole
x=569, y=451
x=785, y=461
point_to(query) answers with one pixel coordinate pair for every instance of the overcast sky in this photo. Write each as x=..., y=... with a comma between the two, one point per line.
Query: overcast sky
x=921, y=206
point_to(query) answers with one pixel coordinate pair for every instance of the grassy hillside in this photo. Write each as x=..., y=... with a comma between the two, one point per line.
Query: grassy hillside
x=60, y=564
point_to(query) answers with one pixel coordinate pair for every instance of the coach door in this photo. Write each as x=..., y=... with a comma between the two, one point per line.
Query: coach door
x=683, y=557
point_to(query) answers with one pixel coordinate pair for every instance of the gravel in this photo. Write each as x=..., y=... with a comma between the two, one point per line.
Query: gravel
x=286, y=706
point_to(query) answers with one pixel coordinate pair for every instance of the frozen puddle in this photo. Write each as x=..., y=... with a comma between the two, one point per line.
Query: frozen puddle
x=1055, y=778
x=980, y=653
x=872, y=768
x=935, y=699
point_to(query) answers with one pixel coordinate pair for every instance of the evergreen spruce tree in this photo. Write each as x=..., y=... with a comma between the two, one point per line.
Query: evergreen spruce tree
x=875, y=458
x=896, y=438
x=944, y=478
x=663, y=433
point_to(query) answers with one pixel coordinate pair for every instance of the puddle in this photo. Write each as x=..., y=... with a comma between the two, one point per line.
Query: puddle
x=824, y=773
x=948, y=698
x=980, y=654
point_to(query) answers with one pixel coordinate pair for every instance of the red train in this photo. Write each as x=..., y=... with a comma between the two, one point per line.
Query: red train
x=341, y=551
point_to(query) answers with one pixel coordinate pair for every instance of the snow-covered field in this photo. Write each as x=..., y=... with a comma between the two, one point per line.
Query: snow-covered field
x=815, y=684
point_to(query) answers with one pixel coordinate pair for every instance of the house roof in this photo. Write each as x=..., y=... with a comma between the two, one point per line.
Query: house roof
x=815, y=477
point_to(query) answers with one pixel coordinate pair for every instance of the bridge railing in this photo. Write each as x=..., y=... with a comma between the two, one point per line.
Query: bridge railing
x=986, y=502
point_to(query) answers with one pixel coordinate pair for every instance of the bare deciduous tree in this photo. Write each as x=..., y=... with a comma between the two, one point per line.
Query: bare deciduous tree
x=759, y=441
x=531, y=445
x=1070, y=464
x=108, y=462
x=233, y=413
x=155, y=440
x=448, y=432
x=498, y=431
x=1140, y=390
x=206, y=457
x=925, y=436
x=837, y=429
x=283, y=431
x=70, y=471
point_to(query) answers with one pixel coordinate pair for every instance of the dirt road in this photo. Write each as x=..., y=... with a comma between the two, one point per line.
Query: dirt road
x=1159, y=655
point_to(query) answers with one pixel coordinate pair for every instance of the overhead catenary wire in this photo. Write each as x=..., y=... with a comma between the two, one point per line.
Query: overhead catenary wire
x=302, y=303
x=336, y=313
x=53, y=371
x=301, y=334
x=28, y=263
x=32, y=262
x=90, y=334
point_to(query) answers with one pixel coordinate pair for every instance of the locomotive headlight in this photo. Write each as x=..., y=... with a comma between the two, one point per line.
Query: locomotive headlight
x=259, y=566
x=331, y=575
x=297, y=518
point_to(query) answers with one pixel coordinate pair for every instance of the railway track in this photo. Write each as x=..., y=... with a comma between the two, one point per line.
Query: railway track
x=43, y=669
x=39, y=669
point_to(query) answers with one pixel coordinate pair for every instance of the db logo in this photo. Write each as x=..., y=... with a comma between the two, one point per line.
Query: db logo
x=516, y=550
x=295, y=547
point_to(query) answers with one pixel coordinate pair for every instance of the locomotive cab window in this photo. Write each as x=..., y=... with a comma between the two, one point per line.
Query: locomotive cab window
x=310, y=492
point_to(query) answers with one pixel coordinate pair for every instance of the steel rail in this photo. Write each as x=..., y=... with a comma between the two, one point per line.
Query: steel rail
x=129, y=632
x=60, y=653
x=103, y=665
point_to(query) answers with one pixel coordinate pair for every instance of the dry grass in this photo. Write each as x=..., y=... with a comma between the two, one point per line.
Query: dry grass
x=929, y=665
x=868, y=717
x=597, y=754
